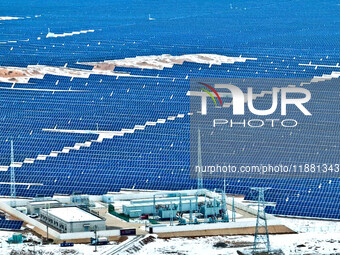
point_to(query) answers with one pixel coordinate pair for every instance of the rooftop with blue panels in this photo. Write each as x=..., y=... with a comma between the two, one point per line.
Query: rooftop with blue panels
x=129, y=127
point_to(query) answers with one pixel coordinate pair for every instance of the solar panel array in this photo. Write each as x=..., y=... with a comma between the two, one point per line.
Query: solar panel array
x=11, y=224
x=56, y=121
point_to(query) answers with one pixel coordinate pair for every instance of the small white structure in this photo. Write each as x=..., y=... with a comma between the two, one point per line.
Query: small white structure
x=36, y=206
x=71, y=219
x=151, y=18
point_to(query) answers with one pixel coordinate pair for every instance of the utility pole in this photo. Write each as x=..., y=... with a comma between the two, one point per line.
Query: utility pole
x=171, y=215
x=180, y=203
x=199, y=159
x=190, y=215
x=233, y=214
x=224, y=207
x=154, y=207
x=96, y=239
x=261, y=222
x=197, y=203
x=205, y=208
x=13, y=191
x=47, y=209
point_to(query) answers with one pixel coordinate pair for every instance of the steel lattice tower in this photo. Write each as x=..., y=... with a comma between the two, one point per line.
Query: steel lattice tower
x=261, y=222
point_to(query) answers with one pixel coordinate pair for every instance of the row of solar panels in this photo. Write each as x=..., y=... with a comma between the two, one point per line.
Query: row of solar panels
x=10, y=224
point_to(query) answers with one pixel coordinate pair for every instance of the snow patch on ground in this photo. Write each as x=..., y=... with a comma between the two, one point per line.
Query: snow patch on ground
x=22, y=75
x=49, y=35
x=314, y=237
x=161, y=61
x=9, y=18
x=52, y=249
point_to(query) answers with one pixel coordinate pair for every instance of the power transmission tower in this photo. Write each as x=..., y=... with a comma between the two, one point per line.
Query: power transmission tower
x=261, y=223
x=199, y=174
x=13, y=191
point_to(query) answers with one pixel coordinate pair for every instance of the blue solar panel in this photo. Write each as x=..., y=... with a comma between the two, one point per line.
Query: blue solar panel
x=11, y=224
x=158, y=156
